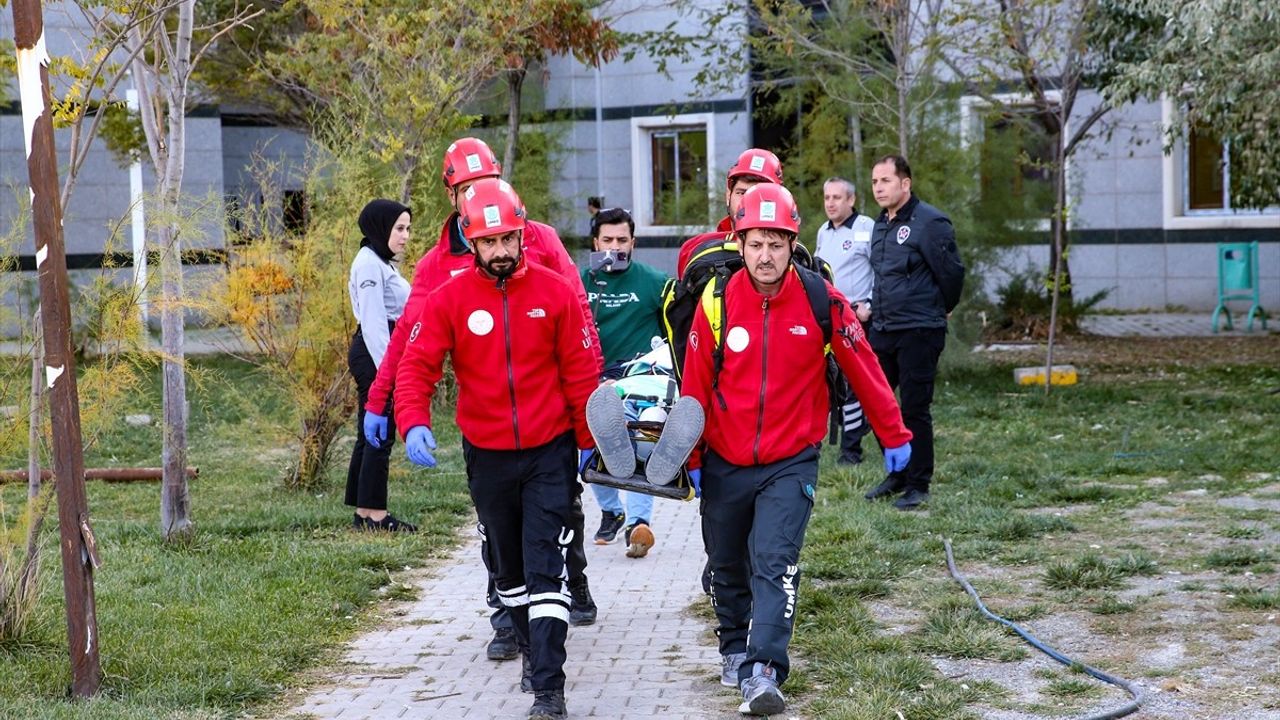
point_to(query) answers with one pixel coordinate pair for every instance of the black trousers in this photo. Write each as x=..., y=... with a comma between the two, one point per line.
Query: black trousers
x=576, y=560
x=753, y=525
x=909, y=359
x=524, y=499
x=367, y=471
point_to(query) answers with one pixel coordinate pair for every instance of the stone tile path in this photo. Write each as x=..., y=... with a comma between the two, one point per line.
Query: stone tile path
x=1169, y=325
x=645, y=657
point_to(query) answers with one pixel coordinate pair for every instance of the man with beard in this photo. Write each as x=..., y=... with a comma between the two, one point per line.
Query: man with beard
x=523, y=357
x=466, y=162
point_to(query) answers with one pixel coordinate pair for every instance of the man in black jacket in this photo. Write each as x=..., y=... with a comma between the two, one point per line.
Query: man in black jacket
x=918, y=279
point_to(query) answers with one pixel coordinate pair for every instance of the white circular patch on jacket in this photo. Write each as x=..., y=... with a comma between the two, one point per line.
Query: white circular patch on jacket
x=480, y=322
x=737, y=338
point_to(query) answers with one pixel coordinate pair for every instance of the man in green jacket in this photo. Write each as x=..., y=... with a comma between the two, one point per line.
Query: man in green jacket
x=626, y=302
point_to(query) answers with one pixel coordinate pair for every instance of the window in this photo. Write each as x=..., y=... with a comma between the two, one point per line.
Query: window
x=679, y=159
x=1015, y=156
x=671, y=175
x=294, y=206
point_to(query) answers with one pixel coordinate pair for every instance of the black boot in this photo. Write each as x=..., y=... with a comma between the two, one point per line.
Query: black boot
x=548, y=705
x=503, y=646
x=582, y=611
x=892, y=485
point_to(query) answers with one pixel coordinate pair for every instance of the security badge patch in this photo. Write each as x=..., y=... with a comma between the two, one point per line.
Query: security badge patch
x=904, y=232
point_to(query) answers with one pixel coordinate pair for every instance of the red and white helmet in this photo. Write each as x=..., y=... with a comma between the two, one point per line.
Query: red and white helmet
x=467, y=159
x=767, y=207
x=491, y=207
x=756, y=163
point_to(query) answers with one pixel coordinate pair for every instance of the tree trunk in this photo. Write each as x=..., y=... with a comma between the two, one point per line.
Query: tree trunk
x=904, y=90
x=855, y=142
x=174, y=507
x=1057, y=264
x=515, y=81
x=175, y=522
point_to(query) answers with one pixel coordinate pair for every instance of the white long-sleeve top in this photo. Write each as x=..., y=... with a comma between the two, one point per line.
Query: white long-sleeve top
x=378, y=294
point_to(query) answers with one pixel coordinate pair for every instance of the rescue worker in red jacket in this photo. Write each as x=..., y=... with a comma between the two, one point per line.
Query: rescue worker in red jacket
x=766, y=415
x=753, y=166
x=466, y=162
x=523, y=357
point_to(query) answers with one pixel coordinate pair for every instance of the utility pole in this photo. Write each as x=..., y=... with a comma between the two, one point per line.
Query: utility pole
x=79, y=551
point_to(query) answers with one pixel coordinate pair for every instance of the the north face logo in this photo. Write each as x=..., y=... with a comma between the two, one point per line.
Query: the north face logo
x=537, y=313
x=799, y=330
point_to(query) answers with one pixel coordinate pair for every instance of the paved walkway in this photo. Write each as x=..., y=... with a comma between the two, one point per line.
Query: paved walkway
x=644, y=657
x=1169, y=325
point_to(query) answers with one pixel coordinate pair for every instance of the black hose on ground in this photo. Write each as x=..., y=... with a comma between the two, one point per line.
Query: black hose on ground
x=1134, y=692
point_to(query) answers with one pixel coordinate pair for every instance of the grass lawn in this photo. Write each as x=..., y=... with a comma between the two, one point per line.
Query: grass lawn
x=1130, y=521
x=272, y=584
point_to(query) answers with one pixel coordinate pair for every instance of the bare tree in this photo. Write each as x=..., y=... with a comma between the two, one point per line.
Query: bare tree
x=1042, y=44
x=162, y=69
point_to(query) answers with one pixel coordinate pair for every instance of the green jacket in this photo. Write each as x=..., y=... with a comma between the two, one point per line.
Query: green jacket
x=627, y=307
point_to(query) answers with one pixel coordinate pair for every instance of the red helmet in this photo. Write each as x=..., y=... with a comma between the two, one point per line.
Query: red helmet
x=491, y=207
x=767, y=207
x=467, y=159
x=756, y=163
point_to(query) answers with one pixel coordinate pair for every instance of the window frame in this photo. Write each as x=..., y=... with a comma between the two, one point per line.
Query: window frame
x=970, y=131
x=642, y=131
x=1176, y=190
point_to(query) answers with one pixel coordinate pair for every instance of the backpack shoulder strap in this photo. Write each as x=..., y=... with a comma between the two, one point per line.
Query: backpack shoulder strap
x=716, y=308
x=819, y=299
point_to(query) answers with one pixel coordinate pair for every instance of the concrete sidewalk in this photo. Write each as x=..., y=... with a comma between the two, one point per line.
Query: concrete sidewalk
x=1170, y=325
x=644, y=657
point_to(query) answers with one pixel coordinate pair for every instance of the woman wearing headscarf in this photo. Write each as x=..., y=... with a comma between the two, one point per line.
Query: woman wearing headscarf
x=378, y=294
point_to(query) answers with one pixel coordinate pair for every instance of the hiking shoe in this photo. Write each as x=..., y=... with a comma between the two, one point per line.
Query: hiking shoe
x=548, y=705
x=526, y=673
x=582, y=609
x=607, y=419
x=760, y=693
x=680, y=433
x=639, y=539
x=503, y=646
x=359, y=523
x=390, y=523
x=729, y=665
x=891, y=485
x=911, y=499
x=610, y=524
x=849, y=459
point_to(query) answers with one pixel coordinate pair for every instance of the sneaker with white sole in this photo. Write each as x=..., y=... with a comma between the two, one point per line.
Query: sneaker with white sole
x=729, y=665
x=760, y=693
x=680, y=434
x=607, y=419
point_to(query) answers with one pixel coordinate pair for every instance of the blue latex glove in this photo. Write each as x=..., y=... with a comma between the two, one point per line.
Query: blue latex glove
x=695, y=479
x=375, y=428
x=584, y=456
x=896, y=459
x=419, y=443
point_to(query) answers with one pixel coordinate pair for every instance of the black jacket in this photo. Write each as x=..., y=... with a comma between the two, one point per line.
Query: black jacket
x=918, y=271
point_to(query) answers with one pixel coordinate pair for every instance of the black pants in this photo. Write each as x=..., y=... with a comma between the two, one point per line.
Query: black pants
x=909, y=359
x=753, y=524
x=524, y=499
x=367, y=471
x=576, y=560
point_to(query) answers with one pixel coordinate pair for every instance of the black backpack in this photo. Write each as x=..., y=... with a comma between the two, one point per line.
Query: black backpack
x=705, y=277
